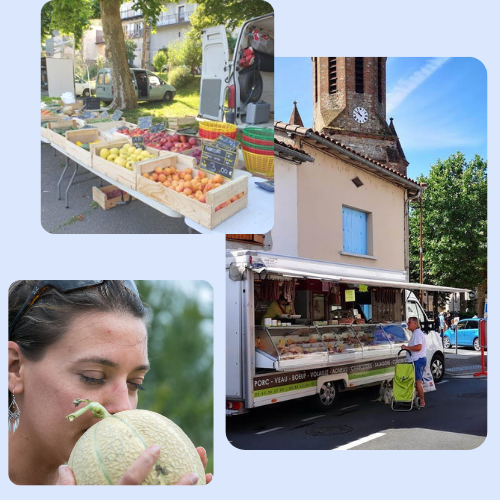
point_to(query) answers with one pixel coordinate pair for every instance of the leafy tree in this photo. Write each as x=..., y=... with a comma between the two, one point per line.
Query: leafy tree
x=179, y=384
x=186, y=52
x=160, y=60
x=231, y=13
x=130, y=48
x=454, y=226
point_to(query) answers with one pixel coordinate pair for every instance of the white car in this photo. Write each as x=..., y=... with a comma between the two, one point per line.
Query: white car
x=83, y=88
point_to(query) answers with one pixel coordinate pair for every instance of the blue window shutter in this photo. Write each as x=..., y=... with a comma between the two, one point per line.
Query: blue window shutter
x=354, y=231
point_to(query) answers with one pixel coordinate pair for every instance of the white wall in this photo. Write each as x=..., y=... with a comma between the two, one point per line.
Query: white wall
x=285, y=229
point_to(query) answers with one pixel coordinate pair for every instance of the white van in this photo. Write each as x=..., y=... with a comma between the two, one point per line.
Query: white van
x=230, y=83
x=346, y=332
x=147, y=85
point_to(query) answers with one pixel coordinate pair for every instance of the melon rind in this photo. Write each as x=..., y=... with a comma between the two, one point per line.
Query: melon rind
x=103, y=454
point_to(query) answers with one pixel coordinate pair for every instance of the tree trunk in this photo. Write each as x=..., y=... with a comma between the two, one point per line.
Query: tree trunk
x=481, y=298
x=144, y=43
x=124, y=92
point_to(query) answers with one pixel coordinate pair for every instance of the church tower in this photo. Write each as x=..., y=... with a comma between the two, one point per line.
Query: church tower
x=349, y=100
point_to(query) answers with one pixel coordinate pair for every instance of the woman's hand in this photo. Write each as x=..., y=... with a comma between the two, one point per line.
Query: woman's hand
x=140, y=469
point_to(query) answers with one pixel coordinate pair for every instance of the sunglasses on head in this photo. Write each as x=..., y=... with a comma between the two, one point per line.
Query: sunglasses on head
x=62, y=286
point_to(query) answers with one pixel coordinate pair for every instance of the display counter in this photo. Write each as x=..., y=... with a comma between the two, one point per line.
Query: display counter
x=290, y=347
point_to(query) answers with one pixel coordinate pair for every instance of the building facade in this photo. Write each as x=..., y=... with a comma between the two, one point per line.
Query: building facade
x=172, y=25
x=349, y=101
x=340, y=195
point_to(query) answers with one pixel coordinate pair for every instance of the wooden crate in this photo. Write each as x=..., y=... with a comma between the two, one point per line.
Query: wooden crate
x=85, y=135
x=50, y=118
x=121, y=174
x=99, y=195
x=103, y=126
x=202, y=213
x=54, y=137
x=178, y=122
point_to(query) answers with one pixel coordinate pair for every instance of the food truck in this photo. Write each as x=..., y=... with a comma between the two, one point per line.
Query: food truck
x=349, y=324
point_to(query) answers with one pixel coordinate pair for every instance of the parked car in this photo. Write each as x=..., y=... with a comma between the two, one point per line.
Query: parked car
x=467, y=332
x=147, y=85
x=83, y=88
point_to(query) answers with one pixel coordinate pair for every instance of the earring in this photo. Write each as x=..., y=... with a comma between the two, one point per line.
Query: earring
x=14, y=414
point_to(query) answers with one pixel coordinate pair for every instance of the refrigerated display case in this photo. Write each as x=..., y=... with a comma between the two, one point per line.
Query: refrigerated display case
x=292, y=347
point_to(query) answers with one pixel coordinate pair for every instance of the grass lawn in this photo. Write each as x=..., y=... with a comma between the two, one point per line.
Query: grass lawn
x=186, y=102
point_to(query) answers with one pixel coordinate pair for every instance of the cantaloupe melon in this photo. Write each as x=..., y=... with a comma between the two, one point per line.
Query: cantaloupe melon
x=110, y=447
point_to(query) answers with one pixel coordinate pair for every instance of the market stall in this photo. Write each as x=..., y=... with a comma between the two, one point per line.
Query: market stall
x=206, y=180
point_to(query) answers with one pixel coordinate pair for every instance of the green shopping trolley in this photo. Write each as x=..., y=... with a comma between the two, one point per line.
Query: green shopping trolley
x=404, y=394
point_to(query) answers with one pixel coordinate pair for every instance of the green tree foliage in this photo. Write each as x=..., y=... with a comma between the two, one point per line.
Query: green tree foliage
x=231, y=13
x=69, y=17
x=159, y=60
x=180, y=382
x=454, y=220
x=186, y=52
x=130, y=48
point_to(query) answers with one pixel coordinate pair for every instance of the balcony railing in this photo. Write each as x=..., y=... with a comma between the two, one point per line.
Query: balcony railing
x=166, y=19
x=130, y=14
x=135, y=33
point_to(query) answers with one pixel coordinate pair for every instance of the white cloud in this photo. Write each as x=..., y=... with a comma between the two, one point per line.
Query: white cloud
x=405, y=86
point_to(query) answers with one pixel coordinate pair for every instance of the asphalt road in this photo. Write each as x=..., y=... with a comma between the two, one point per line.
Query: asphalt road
x=454, y=419
x=83, y=216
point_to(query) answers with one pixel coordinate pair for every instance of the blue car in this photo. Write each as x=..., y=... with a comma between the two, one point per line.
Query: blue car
x=467, y=331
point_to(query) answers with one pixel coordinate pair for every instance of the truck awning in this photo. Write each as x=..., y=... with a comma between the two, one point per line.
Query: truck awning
x=292, y=273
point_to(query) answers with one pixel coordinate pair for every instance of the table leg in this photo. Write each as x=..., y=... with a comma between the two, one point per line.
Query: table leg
x=61, y=178
x=70, y=182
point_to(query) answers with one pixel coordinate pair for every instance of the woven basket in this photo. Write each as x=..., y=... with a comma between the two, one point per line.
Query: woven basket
x=261, y=134
x=259, y=164
x=212, y=130
x=269, y=147
x=264, y=152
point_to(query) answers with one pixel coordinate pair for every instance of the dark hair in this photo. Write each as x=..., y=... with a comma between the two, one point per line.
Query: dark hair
x=48, y=319
x=415, y=320
x=282, y=297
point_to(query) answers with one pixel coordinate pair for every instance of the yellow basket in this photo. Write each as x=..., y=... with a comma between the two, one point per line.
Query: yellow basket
x=259, y=164
x=212, y=130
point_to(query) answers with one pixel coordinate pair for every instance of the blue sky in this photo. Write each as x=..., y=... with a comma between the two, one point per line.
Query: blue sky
x=438, y=104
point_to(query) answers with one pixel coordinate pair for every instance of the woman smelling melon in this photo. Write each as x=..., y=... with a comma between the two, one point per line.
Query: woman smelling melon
x=68, y=340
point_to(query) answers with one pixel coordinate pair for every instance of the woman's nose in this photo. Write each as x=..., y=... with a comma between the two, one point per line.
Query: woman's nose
x=118, y=398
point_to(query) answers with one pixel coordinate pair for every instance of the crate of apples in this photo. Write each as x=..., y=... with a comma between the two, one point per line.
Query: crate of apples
x=163, y=140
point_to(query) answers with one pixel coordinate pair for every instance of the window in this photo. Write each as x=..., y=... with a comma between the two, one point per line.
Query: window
x=332, y=75
x=154, y=80
x=355, y=231
x=414, y=310
x=99, y=78
x=182, y=13
x=359, y=78
x=107, y=78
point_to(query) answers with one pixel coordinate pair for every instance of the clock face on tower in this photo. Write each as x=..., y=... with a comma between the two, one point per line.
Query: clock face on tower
x=360, y=114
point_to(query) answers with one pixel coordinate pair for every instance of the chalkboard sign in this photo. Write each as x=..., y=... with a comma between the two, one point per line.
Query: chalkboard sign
x=104, y=114
x=226, y=142
x=138, y=141
x=157, y=127
x=217, y=160
x=145, y=122
x=117, y=115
